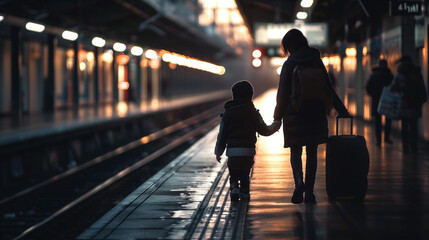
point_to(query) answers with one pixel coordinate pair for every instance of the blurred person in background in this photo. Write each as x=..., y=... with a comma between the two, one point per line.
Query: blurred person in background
x=409, y=83
x=380, y=77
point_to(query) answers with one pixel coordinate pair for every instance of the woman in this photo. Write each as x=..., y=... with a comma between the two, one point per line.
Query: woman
x=409, y=82
x=308, y=126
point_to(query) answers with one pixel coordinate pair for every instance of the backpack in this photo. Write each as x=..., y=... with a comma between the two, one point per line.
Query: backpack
x=309, y=85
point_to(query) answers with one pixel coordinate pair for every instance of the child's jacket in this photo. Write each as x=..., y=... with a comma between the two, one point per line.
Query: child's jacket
x=237, y=131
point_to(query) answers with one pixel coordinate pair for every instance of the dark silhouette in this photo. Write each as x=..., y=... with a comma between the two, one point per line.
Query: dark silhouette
x=409, y=83
x=308, y=126
x=332, y=76
x=381, y=76
x=237, y=132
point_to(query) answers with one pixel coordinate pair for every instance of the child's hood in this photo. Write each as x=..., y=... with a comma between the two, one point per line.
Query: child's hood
x=239, y=104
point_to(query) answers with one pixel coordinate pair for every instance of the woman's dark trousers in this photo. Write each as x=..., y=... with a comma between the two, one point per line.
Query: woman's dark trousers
x=239, y=170
x=409, y=135
x=310, y=171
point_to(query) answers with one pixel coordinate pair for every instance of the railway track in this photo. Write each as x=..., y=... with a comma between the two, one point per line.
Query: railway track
x=64, y=205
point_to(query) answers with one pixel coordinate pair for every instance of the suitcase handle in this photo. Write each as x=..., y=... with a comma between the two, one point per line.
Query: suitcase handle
x=351, y=124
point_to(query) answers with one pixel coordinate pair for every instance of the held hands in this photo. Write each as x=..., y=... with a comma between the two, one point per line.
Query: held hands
x=275, y=126
x=218, y=158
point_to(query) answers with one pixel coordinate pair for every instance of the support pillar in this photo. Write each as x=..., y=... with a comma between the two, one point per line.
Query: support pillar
x=49, y=94
x=360, y=82
x=115, y=79
x=16, y=81
x=76, y=75
x=138, y=84
x=408, y=45
x=96, y=76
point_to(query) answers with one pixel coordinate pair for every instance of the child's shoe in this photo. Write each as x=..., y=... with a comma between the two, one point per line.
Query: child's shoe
x=235, y=194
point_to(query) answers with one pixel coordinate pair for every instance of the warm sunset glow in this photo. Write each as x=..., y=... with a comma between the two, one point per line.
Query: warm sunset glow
x=325, y=61
x=274, y=143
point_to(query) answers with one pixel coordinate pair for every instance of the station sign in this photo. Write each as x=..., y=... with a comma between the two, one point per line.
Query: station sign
x=405, y=8
x=271, y=34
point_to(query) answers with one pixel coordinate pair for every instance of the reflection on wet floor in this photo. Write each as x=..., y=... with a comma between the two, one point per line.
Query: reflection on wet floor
x=189, y=198
x=396, y=206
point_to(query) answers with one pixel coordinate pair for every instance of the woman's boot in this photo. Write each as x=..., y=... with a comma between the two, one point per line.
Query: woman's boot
x=310, y=176
x=297, y=197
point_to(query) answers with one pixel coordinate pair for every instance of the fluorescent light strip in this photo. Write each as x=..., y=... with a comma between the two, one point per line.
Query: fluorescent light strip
x=69, y=35
x=98, y=42
x=35, y=27
x=136, y=51
x=119, y=47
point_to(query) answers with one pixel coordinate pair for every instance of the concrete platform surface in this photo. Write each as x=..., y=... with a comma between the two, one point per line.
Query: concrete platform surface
x=189, y=198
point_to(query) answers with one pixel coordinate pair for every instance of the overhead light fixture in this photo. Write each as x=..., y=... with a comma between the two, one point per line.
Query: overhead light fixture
x=35, y=27
x=1, y=18
x=136, y=51
x=69, y=35
x=98, y=42
x=301, y=15
x=151, y=54
x=119, y=47
x=306, y=3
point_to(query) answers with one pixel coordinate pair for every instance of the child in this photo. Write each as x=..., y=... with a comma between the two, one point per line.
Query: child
x=237, y=133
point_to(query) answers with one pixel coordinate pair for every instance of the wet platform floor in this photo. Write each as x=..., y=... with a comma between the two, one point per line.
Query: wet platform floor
x=189, y=198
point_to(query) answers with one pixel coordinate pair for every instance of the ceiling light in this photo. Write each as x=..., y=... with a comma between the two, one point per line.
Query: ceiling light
x=35, y=27
x=136, y=51
x=68, y=35
x=1, y=18
x=306, y=3
x=151, y=54
x=98, y=42
x=301, y=15
x=119, y=47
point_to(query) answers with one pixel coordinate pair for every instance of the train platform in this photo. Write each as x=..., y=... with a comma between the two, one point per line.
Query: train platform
x=33, y=126
x=189, y=198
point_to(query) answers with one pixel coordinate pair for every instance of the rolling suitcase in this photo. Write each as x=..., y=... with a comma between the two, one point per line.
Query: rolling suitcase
x=347, y=165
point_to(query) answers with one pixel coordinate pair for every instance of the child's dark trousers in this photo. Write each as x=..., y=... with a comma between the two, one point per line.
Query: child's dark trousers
x=239, y=170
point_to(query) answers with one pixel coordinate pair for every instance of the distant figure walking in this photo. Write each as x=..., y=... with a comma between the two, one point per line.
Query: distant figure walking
x=409, y=83
x=381, y=76
x=307, y=125
x=237, y=133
